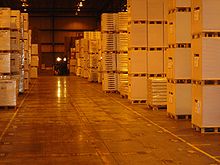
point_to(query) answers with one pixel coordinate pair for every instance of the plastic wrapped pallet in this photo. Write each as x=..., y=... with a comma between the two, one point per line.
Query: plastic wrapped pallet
x=8, y=90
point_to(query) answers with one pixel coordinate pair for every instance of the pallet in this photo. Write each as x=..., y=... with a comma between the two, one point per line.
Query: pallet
x=180, y=81
x=138, y=75
x=179, y=117
x=156, y=75
x=8, y=107
x=138, y=101
x=206, y=130
x=207, y=82
x=124, y=96
x=137, y=48
x=113, y=91
x=180, y=45
x=157, y=107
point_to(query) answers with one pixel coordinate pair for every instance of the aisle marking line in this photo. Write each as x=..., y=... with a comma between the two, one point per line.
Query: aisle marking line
x=14, y=115
x=164, y=129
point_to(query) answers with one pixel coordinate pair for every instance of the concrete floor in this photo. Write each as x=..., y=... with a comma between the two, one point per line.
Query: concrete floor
x=68, y=121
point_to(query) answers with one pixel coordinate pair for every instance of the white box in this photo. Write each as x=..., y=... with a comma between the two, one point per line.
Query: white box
x=179, y=63
x=109, y=42
x=137, y=9
x=109, y=61
x=5, y=40
x=155, y=10
x=9, y=93
x=109, y=82
x=122, y=62
x=155, y=35
x=137, y=57
x=15, y=62
x=179, y=27
x=34, y=61
x=15, y=19
x=34, y=72
x=122, y=21
x=137, y=88
x=172, y=4
x=205, y=109
x=155, y=62
x=176, y=94
x=26, y=21
x=108, y=21
x=5, y=63
x=204, y=15
x=137, y=35
x=122, y=42
x=5, y=17
x=34, y=49
x=205, y=58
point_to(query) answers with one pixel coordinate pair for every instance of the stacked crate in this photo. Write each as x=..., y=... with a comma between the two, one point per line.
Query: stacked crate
x=205, y=65
x=109, y=48
x=157, y=43
x=73, y=61
x=8, y=85
x=94, y=41
x=84, y=55
x=179, y=59
x=137, y=51
x=78, y=58
x=122, y=53
x=34, y=61
x=25, y=49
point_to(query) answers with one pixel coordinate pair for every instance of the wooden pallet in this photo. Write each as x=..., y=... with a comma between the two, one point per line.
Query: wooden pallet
x=8, y=107
x=179, y=117
x=124, y=96
x=206, y=129
x=139, y=101
x=113, y=91
x=157, y=107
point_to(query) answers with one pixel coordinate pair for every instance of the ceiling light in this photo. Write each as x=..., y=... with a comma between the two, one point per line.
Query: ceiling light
x=83, y=0
x=78, y=9
x=80, y=4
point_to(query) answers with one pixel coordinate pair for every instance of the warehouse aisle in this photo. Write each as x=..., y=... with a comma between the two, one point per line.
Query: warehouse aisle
x=68, y=121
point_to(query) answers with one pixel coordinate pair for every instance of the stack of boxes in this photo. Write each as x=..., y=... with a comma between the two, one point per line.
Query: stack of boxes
x=157, y=44
x=122, y=53
x=34, y=61
x=84, y=55
x=109, y=48
x=94, y=41
x=137, y=51
x=178, y=58
x=205, y=65
x=78, y=59
x=73, y=61
x=8, y=85
x=25, y=50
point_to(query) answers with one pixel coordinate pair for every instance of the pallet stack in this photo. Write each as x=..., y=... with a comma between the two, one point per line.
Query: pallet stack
x=73, y=61
x=84, y=55
x=122, y=53
x=25, y=50
x=34, y=61
x=79, y=59
x=205, y=65
x=179, y=60
x=109, y=48
x=137, y=51
x=156, y=46
x=94, y=41
x=8, y=85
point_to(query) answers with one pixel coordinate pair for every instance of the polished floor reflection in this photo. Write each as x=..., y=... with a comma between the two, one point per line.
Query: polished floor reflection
x=68, y=121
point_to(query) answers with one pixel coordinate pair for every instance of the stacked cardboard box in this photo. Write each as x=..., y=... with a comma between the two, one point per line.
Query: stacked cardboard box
x=34, y=61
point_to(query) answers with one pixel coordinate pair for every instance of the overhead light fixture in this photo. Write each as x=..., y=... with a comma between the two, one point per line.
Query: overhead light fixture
x=83, y=0
x=78, y=9
x=80, y=4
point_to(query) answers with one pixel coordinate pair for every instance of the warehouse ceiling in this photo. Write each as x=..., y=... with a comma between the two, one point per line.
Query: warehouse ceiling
x=89, y=7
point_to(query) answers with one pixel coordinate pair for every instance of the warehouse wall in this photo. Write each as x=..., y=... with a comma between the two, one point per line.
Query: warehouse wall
x=50, y=33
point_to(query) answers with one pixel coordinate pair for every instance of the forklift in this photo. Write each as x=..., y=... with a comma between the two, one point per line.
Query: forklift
x=60, y=67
